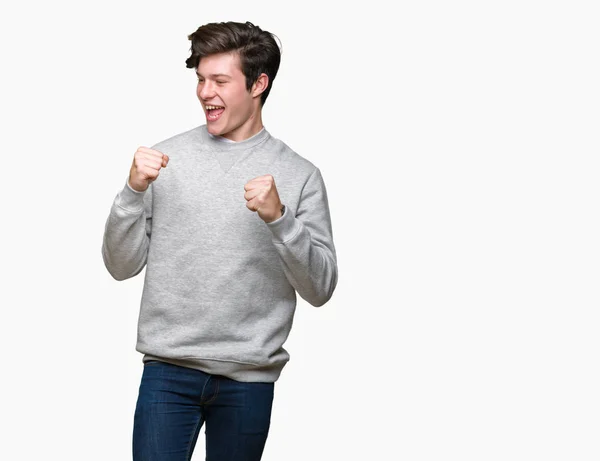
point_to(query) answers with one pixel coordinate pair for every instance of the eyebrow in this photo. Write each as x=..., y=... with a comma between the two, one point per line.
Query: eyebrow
x=215, y=75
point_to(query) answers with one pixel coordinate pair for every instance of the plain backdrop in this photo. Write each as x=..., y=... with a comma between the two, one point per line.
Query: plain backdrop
x=459, y=145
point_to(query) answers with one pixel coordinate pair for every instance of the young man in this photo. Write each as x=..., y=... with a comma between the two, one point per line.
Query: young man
x=230, y=223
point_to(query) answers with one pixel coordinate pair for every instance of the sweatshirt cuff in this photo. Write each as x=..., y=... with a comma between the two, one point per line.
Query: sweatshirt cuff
x=284, y=228
x=131, y=199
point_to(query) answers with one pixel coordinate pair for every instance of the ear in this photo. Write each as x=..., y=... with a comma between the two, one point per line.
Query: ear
x=260, y=85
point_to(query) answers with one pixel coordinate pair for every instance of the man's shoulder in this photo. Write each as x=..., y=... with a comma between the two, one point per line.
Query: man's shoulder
x=292, y=159
x=182, y=139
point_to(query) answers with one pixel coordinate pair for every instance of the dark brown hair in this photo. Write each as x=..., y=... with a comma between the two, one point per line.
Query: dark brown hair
x=257, y=49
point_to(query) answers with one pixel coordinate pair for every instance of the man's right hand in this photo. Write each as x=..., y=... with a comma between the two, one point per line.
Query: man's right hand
x=145, y=167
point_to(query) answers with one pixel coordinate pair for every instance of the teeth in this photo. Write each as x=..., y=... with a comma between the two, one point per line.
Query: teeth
x=213, y=107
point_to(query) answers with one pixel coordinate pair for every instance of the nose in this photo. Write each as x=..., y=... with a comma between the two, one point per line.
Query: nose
x=206, y=90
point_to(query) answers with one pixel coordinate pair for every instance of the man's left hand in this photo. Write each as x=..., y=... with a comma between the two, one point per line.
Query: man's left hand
x=261, y=196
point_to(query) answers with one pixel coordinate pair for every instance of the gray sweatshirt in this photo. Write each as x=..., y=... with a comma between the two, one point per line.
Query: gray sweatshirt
x=220, y=284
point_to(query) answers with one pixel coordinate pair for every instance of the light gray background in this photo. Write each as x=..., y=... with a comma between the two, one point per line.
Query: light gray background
x=459, y=145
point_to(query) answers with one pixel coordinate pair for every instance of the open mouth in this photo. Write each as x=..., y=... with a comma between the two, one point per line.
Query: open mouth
x=213, y=113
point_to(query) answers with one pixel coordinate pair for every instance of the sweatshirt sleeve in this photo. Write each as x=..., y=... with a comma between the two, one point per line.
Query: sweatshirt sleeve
x=305, y=243
x=127, y=233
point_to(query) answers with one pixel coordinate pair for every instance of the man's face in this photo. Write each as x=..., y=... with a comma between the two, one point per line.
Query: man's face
x=222, y=84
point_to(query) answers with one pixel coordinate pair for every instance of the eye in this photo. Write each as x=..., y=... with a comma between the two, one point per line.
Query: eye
x=221, y=82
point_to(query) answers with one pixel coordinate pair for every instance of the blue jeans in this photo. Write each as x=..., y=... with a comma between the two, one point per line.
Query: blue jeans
x=174, y=402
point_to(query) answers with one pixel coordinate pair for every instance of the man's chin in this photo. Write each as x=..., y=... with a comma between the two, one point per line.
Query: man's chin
x=213, y=130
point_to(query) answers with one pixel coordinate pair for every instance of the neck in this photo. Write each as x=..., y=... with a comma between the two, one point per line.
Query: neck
x=252, y=126
x=221, y=144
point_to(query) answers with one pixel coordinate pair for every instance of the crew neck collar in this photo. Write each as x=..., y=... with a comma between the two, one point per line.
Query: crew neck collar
x=221, y=144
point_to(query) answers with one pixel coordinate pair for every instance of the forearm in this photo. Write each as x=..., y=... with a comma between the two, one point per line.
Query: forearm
x=126, y=241
x=309, y=261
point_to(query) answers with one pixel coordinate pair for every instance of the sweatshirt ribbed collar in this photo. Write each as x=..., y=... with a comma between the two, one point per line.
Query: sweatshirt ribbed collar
x=218, y=145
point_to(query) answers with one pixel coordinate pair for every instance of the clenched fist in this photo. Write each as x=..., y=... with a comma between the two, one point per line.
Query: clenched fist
x=262, y=196
x=145, y=167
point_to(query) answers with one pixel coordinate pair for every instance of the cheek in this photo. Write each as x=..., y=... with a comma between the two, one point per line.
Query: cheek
x=239, y=97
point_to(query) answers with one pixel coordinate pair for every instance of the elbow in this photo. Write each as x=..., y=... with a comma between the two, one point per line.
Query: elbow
x=318, y=302
x=116, y=271
x=118, y=276
x=322, y=298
